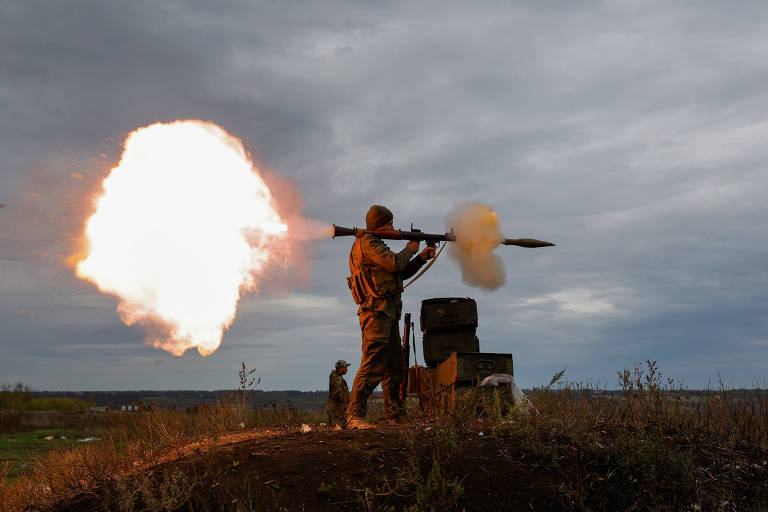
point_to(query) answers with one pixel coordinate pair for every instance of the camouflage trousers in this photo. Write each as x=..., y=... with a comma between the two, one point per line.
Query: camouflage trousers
x=337, y=414
x=382, y=362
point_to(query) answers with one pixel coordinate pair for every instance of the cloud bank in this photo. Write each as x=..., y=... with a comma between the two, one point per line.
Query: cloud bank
x=631, y=135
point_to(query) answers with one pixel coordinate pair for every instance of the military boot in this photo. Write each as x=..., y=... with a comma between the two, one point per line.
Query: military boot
x=354, y=422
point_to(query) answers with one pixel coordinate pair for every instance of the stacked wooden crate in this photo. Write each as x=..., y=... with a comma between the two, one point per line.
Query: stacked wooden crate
x=452, y=349
x=448, y=324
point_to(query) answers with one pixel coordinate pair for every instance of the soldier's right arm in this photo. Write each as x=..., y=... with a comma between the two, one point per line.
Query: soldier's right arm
x=377, y=251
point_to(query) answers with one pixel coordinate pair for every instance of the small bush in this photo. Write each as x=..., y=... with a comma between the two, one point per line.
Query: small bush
x=438, y=492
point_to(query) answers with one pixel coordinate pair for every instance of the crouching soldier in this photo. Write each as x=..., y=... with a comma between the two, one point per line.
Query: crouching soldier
x=338, y=395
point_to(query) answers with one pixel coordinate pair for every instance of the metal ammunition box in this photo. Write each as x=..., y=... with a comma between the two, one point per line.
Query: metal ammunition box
x=469, y=368
x=448, y=313
x=439, y=345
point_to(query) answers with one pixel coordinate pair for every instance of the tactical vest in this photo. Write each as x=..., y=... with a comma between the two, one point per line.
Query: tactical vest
x=370, y=280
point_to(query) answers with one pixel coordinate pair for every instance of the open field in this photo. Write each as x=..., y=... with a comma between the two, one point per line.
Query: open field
x=652, y=447
x=20, y=450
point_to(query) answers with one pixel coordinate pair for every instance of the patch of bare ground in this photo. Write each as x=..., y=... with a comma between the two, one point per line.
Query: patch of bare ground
x=391, y=468
x=430, y=466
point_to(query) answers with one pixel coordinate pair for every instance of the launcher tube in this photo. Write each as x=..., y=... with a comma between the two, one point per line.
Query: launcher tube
x=430, y=238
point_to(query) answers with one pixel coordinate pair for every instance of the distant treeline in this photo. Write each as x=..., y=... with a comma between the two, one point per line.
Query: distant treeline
x=182, y=399
x=22, y=398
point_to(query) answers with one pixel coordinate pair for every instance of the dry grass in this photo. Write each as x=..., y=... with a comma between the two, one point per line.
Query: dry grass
x=661, y=446
x=133, y=442
x=653, y=446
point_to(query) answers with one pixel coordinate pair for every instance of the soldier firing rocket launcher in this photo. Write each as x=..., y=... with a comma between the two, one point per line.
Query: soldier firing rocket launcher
x=430, y=238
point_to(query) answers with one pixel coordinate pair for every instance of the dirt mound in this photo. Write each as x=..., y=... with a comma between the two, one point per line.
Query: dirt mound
x=339, y=470
x=476, y=465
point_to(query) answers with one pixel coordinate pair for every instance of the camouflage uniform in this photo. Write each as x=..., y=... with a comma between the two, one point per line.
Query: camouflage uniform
x=382, y=358
x=338, y=399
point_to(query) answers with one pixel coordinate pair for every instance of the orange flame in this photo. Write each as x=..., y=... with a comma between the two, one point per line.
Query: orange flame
x=184, y=226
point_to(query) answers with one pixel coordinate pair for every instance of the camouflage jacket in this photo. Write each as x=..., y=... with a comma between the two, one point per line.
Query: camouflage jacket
x=338, y=392
x=384, y=271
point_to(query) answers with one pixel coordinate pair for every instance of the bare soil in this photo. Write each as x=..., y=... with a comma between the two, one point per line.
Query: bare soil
x=392, y=469
x=284, y=469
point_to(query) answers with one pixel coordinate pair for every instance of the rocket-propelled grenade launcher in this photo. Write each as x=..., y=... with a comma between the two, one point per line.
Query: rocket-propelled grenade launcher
x=430, y=238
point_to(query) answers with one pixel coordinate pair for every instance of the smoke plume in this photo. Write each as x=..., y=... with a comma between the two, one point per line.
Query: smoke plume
x=290, y=265
x=477, y=234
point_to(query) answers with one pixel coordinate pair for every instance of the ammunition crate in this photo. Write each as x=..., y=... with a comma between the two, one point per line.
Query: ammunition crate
x=470, y=368
x=448, y=313
x=439, y=345
x=419, y=380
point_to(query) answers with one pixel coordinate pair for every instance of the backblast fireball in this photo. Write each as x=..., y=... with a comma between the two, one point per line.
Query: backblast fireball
x=183, y=227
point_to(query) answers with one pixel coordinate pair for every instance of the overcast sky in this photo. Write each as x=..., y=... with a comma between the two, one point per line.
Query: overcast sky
x=632, y=134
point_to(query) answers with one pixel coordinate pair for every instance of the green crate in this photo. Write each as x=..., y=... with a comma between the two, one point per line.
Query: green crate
x=448, y=314
x=439, y=346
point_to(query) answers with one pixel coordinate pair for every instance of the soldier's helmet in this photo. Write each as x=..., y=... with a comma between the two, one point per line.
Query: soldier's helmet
x=341, y=363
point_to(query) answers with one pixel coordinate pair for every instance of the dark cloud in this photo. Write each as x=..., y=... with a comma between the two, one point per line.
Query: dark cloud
x=630, y=135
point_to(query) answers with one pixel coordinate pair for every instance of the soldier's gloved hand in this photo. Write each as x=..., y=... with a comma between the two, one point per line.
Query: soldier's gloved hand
x=413, y=246
x=428, y=253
